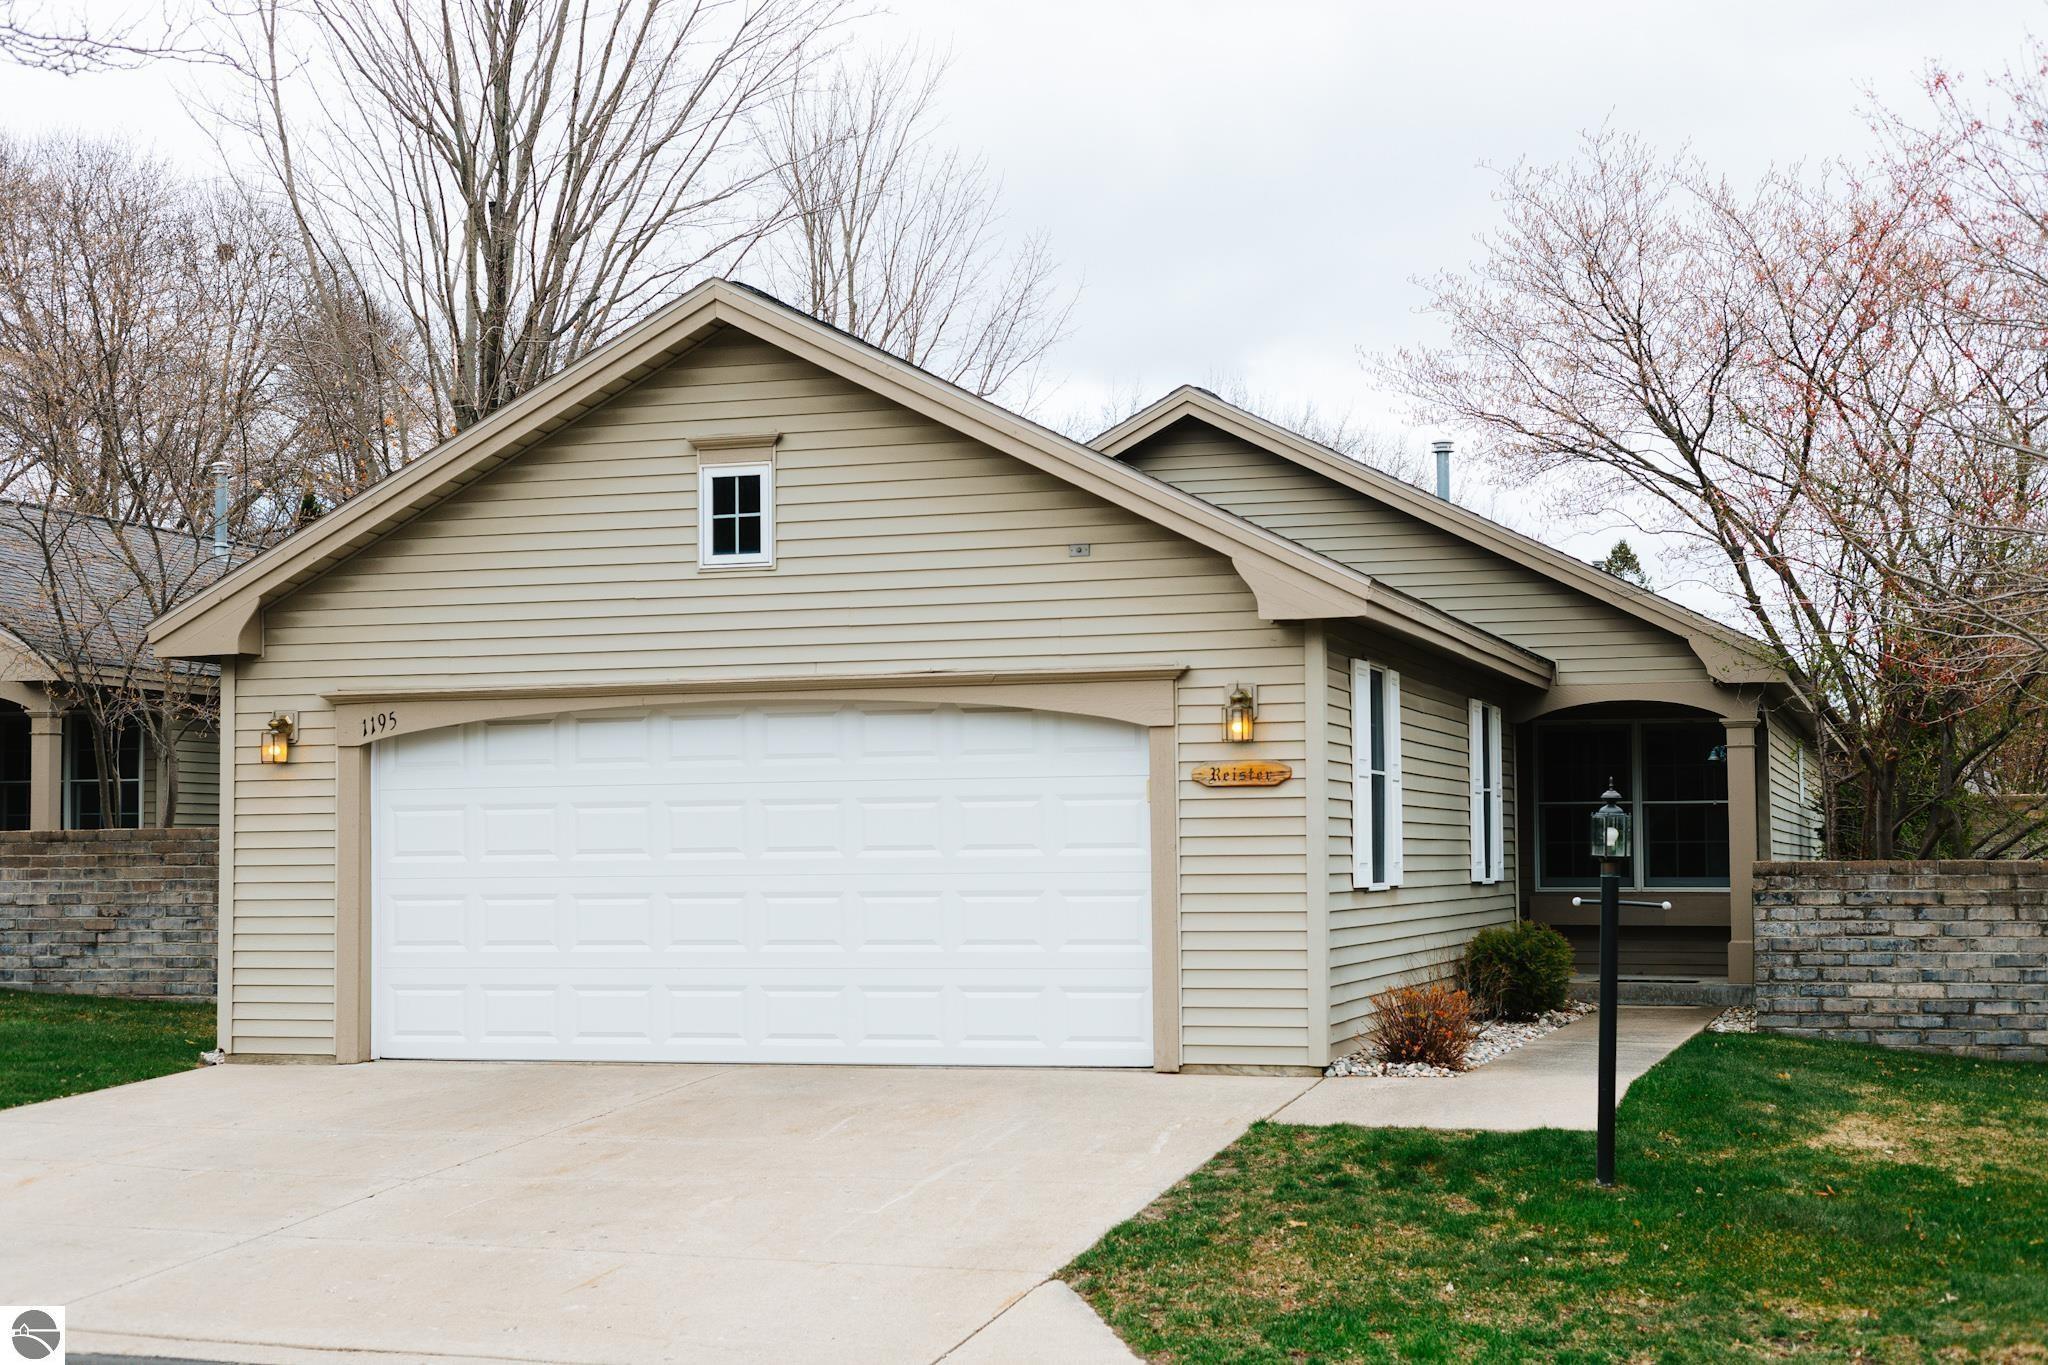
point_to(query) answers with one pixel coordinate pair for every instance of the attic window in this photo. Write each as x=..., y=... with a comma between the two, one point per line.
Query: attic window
x=735, y=515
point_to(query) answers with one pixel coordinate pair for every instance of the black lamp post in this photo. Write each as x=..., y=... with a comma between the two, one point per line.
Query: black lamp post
x=1611, y=847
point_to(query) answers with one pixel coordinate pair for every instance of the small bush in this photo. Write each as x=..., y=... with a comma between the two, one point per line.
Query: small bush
x=1427, y=1024
x=1519, y=970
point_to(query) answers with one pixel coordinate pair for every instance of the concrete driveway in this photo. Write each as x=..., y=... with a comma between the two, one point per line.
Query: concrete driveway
x=539, y=1211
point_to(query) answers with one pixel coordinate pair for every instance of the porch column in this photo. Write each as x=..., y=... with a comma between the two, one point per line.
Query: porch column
x=1742, y=848
x=45, y=769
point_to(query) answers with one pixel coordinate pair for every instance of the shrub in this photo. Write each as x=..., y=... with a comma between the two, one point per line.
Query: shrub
x=1428, y=1024
x=1519, y=970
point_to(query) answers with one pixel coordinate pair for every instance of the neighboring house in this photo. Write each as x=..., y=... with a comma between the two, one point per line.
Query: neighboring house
x=746, y=693
x=49, y=765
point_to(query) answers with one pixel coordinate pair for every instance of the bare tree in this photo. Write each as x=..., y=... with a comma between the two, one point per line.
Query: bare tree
x=352, y=383
x=136, y=357
x=1779, y=379
x=899, y=242
x=69, y=38
x=515, y=179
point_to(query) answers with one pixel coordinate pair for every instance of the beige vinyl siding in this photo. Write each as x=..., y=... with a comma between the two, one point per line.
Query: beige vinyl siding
x=1793, y=823
x=1417, y=930
x=900, y=546
x=1589, y=642
x=198, y=780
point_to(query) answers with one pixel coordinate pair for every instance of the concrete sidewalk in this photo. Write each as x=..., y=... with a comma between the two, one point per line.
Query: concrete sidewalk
x=1551, y=1083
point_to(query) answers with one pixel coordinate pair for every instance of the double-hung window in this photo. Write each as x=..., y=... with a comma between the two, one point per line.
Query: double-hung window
x=1489, y=822
x=1375, y=776
x=735, y=515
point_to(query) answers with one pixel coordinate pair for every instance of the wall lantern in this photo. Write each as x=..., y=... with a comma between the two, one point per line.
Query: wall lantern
x=1239, y=712
x=1610, y=827
x=276, y=746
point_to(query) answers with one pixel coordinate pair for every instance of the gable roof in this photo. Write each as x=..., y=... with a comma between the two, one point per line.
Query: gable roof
x=1289, y=581
x=1728, y=655
x=53, y=559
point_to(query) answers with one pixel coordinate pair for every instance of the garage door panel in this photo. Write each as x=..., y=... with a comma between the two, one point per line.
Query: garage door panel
x=991, y=835
x=443, y=787
x=809, y=883
x=987, y=1018
x=743, y=746
x=648, y=927
x=515, y=922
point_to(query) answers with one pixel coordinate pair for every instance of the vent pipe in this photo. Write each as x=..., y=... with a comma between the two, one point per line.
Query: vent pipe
x=220, y=510
x=1443, y=470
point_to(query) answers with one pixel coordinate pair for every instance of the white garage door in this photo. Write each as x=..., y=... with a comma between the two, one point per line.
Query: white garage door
x=804, y=884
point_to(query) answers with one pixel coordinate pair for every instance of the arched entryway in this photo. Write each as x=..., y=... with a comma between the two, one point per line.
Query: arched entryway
x=1688, y=774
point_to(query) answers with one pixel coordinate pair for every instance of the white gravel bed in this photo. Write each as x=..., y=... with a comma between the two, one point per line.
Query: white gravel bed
x=1495, y=1039
x=1734, y=1019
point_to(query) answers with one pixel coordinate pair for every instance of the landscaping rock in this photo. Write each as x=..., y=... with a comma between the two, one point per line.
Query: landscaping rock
x=1735, y=1019
x=1496, y=1039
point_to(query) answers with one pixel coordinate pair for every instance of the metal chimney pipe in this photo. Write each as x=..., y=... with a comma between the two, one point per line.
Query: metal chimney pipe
x=220, y=510
x=1443, y=470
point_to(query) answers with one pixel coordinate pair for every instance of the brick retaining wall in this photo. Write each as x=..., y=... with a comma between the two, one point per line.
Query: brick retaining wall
x=127, y=912
x=1939, y=956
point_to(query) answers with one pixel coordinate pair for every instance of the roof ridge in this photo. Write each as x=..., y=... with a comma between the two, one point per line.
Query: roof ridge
x=242, y=549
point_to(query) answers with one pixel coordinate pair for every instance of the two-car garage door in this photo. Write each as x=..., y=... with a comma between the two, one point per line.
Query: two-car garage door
x=826, y=883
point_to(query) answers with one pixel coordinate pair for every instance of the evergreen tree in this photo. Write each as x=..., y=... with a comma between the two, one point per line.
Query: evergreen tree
x=1622, y=562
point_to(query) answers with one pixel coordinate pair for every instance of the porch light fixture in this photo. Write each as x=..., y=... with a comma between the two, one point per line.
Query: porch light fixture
x=1610, y=827
x=1240, y=710
x=276, y=745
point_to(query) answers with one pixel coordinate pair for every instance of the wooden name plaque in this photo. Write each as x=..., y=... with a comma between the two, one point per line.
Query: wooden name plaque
x=1251, y=774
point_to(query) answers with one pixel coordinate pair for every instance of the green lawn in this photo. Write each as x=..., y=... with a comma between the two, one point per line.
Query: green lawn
x=1778, y=1198
x=53, y=1045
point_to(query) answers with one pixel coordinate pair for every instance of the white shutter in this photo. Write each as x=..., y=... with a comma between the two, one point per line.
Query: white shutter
x=1361, y=773
x=1395, y=807
x=1475, y=723
x=1499, y=733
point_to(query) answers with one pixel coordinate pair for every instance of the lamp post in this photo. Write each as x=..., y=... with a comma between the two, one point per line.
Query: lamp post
x=1611, y=847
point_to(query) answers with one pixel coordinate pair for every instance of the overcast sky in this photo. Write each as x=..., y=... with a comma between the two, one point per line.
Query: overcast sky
x=1245, y=191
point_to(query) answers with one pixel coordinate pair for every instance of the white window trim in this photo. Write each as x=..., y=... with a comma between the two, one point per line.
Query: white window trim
x=1487, y=770
x=705, y=558
x=1361, y=775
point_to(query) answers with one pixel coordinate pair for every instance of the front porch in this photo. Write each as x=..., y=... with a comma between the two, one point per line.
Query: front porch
x=49, y=770
x=1693, y=784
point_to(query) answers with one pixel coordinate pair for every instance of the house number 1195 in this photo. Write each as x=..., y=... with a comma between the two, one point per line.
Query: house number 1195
x=379, y=723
